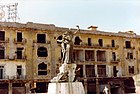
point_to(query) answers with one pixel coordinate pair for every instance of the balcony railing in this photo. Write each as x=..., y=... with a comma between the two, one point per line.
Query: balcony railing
x=46, y=42
x=4, y=41
x=96, y=46
x=115, y=61
x=23, y=41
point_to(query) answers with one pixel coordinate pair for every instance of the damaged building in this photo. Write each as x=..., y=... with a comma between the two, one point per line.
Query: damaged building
x=30, y=56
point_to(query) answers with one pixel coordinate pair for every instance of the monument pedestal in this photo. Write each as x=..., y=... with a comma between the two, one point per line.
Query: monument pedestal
x=66, y=88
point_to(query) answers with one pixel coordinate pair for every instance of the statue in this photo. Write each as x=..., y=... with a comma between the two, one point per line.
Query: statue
x=67, y=69
x=106, y=91
x=67, y=46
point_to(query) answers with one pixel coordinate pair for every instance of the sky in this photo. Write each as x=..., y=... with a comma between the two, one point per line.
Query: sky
x=108, y=15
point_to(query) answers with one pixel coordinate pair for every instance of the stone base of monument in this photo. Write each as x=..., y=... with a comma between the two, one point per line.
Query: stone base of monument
x=66, y=88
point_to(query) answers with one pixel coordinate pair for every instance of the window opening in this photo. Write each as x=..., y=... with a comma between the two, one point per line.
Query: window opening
x=2, y=35
x=19, y=53
x=127, y=44
x=129, y=55
x=101, y=70
x=41, y=38
x=89, y=41
x=100, y=42
x=1, y=72
x=19, y=71
x=42, y=52
x=42, y=69
x=19, y=37
x=2, y=52
x=89, y=55
x=101, y=56
x=77, y=41
x=114, y=56
x=131, y=69
x=113, y=43
x=90, y=71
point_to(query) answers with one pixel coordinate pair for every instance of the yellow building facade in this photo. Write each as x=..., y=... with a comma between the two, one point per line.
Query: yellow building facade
x=30, y=56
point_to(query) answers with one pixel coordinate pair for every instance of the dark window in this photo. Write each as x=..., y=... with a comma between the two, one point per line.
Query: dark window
x=131, y=69
x=100, y=41
x=129, y=55
x=101, y=70
x=41, y=38
x=114, y=56
x=127, y=44
x=1, y=72
x=42, y=52
x=41, y=87
x=19, y=37
x=89, y=55
x=42, y=69
x=113, y=43
x=19, y=71
x=115, y=71
x=89, y=41
x=101, y=56
x=2, y=52
x=19, y=53
x=90, y=71
x=2, y=35
x=79, y=73
x=77, y=41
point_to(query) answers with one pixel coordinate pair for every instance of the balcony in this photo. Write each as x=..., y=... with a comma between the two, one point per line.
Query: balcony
x=23, y=41
x=4, y=41
x=15, y=58
x=129, y=47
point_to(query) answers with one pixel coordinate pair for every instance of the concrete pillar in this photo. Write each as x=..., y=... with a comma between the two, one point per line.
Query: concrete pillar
x=27, y=86
x=10, y=88
x=97, y=86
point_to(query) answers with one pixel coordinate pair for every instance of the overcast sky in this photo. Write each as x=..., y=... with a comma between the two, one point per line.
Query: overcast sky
x=108, y=15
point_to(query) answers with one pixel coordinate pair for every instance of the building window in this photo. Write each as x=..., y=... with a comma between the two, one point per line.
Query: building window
x=77, y=40
x=2, y=52
x=113, y=56
x=41, y=38
x=79, y=73
x=127, y=44
x=101, y=56
x=131, y=69
x=101, y=70
x=1, y=72
x=112, y=43
x=89, y=55
x=19, y=53
x=19, y=71
x=42, y=69
x=115, y=71
x=90, y=71
x=19, y=37
x=100, y=41
x=42, y=52
x=129, y=55
x=2, y=35
x=89, y=41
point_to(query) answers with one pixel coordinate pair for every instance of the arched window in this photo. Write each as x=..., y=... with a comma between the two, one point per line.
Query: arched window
x=42, y=69
x=59, y=38
x=42, y=52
